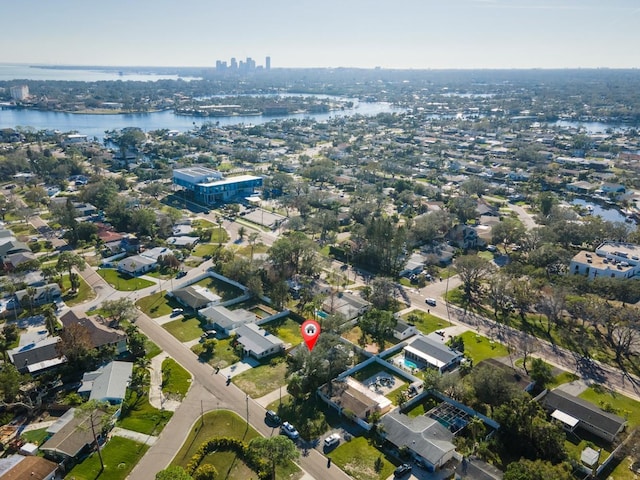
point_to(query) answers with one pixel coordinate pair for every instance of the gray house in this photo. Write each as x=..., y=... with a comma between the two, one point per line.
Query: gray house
x=258, y=342
x=226, y=321
x=574, y=412
x=426, y=439
x=109, y=383
x=37, y=356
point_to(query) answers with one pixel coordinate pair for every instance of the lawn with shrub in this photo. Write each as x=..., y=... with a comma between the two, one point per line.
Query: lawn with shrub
x=120, y=455
x=223, y=423
x=286, y=329
x=140, y=416
x=220, y=287
x=156, y=305
x=84, y=293
x=123, y=282
x=175, y=379
x=35, y=436
x=480, y=348
x=359, y=459
x=613, y=402
x=258, y=381
x=184, y=329
x=425, y=322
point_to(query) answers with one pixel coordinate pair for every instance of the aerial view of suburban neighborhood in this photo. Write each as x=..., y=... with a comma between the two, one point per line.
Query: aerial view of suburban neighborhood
x=463, y=243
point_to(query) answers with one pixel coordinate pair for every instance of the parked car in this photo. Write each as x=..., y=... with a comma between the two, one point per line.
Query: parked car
x=290, y=431
x=181, y=274
x=402, y=470
x=430, y=301
x=332, y=441
x=176, y=311
x=272, y=418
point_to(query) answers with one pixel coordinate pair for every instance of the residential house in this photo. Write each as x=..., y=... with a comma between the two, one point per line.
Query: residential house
x=465, y=237
x=11, y=247
x=353, y=399
x=427, y=352
x=75, y=437
x=100, y=334
x=37, y=356
x=428, y=441
x=109, y=383
x=414, y=265
x=574, y=412
x=195, y=297
x=39, y=296
x=348, y=304
x=226, y=321
x=136, y=265
x=404, y=330
x=257, y=342
x=20, y=467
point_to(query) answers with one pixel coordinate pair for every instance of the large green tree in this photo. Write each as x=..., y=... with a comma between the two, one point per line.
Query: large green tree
x=276, y=450
x=525, y=469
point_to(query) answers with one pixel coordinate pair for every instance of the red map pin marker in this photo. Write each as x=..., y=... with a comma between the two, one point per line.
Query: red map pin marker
x=310, y=332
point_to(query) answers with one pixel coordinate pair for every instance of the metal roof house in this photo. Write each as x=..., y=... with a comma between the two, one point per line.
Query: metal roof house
x=574, y=412
x=210, y=187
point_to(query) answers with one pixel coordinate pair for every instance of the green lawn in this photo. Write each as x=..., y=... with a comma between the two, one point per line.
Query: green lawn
x=261, y=380
x=35, y=436
x=611, y=401
x=123, y=282
x=83, y=294
x=184, y=329
x=223, y=423
x=155, y=305
x=205, y=249
x=119, y=455
x=480, y=348
x=425, y=322
x=357, y=458
x=286, y=329
x=224, y=354
x=151, y=349
x=175, y=379
x=140, y=416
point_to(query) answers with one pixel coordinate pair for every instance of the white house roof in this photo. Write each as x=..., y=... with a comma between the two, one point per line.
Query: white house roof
x=257, y=340
x=432, y=351
x=133, y=264
x=109, y=382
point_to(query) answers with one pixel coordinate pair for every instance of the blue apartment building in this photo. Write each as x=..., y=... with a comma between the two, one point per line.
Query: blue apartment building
x=210, y=187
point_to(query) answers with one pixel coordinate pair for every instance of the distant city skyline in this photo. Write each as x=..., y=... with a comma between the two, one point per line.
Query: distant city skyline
x=415, y=34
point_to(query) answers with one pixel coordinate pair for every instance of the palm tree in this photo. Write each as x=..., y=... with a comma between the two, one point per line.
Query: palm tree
x=253, y=238
x=50, y=319
x=242, y=232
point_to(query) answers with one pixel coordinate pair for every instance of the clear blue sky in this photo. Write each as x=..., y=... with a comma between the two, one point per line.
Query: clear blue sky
x=324, y=33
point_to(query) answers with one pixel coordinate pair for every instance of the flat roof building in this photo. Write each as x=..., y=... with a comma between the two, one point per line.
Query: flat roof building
x=209, y=187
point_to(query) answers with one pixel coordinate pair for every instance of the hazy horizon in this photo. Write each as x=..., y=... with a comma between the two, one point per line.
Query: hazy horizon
x=405, y=35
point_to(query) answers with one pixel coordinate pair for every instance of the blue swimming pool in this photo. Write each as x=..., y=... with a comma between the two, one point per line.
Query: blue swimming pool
x=321, y=314
x=408, y=363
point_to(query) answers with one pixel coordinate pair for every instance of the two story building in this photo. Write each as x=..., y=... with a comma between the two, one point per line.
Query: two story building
x=210, y=187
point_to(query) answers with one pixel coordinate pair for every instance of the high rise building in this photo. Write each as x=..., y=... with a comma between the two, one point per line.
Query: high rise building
x=267, y=63
x=19, y=92
x=234, y=64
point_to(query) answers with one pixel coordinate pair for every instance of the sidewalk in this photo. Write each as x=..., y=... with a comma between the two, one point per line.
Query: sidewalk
x=242, y=366
x=272, y=397
x=136, y=436
x=156, y=398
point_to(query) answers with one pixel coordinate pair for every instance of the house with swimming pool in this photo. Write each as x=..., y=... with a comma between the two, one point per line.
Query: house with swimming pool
x=426, y=352
x=210, y=187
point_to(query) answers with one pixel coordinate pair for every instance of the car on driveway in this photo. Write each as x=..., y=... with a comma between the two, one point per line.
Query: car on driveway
x=290, y=431
x=402, y=470
x=331, y=441
x=272, y=418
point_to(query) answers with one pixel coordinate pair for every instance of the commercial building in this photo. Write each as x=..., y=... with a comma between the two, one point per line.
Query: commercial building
x=610, y=260
x=210, y=187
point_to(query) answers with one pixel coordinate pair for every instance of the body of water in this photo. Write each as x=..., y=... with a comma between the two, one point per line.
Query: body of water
x=96, y=125
x=28, y=72
x=610, y=214
x=591, y=127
